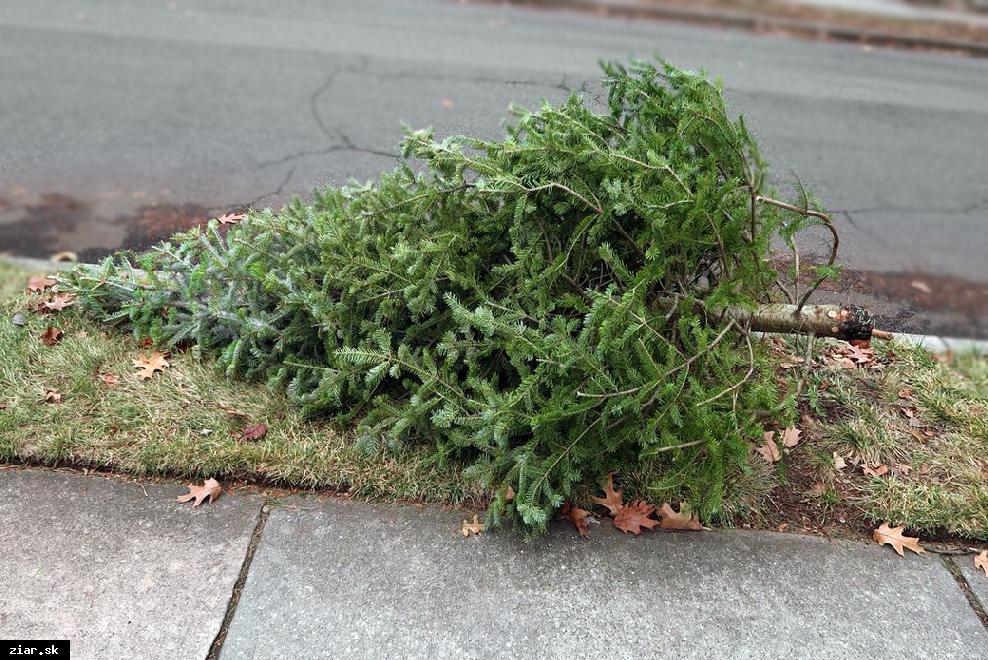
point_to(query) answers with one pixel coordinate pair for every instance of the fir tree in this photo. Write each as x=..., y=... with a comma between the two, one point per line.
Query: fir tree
x=507, y=302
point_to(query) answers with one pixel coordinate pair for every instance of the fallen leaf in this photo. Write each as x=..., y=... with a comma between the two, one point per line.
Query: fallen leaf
x=110, y=380
x=52, y=396
x=40, y=283
x=671, y=519
x=578, y=517
x=51, y=336
x=981, y=561
x=906, y=394
x=148, y=365
x=877, y=471
x=839, y=462
x=860, y=355
x=817, y=489
x=894, y=537
x=631, y=518
x=509, y=494
x=476, y=527
x=252, y=433
x=791, y=437
x=58, y=302
x=209, y=489
x=770, y=452
x=612, y=498
x=231, y=218
x=902, y=468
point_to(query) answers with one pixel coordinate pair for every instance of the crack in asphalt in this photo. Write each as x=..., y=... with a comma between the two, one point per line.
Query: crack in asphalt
x=276, y=192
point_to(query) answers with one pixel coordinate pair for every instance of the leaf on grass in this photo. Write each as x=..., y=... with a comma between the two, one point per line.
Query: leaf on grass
x=148, y=365
x=894, y=537
x=110, y=380
x=209, y=489
x=791, y=437
x=252, y=433
x=770, y=452
x=57, y=303
x=51, y=336
x=877, y=471
x=475, y=527
x=40, y=283
x=52, y=396
x=612, y=498
x=906, y=394
x=817, y=489
x=671, y=519
x=981, y=561
x=231, y=218
x=578, y=517
x=860, y=355
x=902, y=468
x=631, y=518
x=839, y=462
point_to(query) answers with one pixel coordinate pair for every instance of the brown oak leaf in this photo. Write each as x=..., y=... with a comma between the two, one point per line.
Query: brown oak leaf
x=612, y=498
x=671, y=519
x=770, y=452
x=231, y=218
x=252, y=432
x=791, y=437
x=578, y=517
x=57, y=303
x=877, y=471
x=39, y=283
x=475, y=527
x=894, y=537
x=148, y=365
x=631, y=518
x=981, y=561
x=52, y=396
x=51, y=336
x=110, y=380
x=209, y=489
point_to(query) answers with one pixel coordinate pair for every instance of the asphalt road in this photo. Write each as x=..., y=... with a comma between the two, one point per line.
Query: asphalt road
x=120, y=121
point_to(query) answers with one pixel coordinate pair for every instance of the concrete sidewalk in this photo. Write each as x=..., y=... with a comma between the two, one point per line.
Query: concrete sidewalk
x=124, y=571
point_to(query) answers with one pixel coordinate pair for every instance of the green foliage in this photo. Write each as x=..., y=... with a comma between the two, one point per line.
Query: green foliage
x=533, y=306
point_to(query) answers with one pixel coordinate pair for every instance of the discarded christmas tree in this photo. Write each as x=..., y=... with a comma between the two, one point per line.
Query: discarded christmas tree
x=544, y=308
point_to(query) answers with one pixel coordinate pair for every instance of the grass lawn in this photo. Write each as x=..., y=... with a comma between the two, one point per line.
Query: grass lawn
x=910, y=431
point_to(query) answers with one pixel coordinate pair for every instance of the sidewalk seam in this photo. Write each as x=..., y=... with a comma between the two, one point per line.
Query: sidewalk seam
x=962, y=584
x=231, y=608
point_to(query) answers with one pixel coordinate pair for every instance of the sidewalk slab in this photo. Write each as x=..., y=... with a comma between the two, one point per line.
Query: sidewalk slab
x=976, y=579
x=121, y=570
x=344, y=579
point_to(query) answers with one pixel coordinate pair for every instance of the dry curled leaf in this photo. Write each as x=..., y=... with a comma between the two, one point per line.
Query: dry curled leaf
x=877, y=471
x=40, y=283
x=631, y=518
x=252, y=433
x=578, y=517
x=475, y=527
x=231, y=218
x=770, y=452
x=110, y=380
x=671, y=519
x=51, y=336
x=52, y=396
x=791, y=437
x=894, y=537
x=56, y=303
x=981, y=561
x=209, y=489
x=148, y=365
x=612, y=498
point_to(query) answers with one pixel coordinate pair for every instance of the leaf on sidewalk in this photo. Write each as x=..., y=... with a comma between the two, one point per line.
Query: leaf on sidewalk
x=210, y=489
x=148, y=365
x=631, y=518
x=51, y=336
x=893, y=536
x=475, y=527
x=981, y=561
x=671, y=519
x=612, y=498
x=578, y=517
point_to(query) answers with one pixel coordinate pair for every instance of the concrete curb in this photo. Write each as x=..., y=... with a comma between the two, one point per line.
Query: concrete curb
x=932, y=343
x=746, y=21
